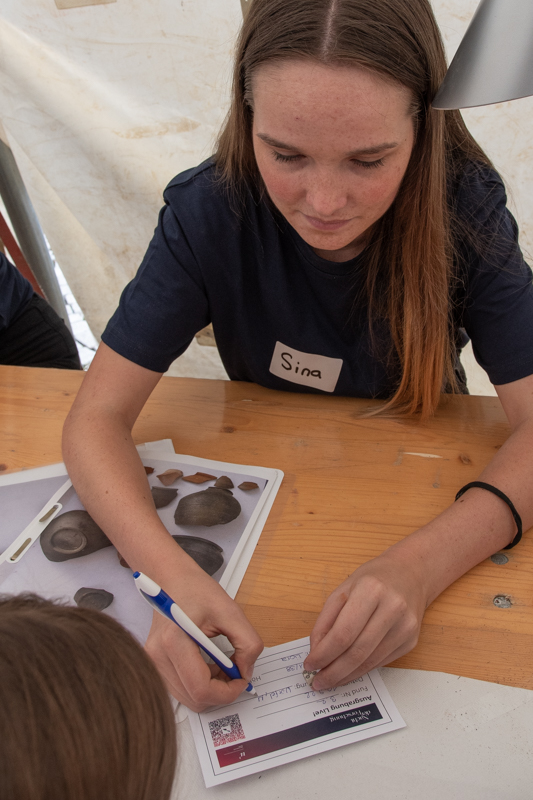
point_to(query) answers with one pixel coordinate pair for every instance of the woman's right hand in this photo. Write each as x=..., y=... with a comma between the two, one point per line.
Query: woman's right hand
x=187, y=676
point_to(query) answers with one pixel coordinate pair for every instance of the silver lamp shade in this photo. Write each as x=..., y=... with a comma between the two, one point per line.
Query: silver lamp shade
x=494, y=61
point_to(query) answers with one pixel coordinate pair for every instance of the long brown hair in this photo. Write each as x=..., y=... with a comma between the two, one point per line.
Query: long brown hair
x=410, y=255
x=84, y=713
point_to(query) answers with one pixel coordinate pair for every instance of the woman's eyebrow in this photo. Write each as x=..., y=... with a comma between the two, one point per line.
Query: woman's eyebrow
x=275, y=143
x=372, y=151
x=365, y=151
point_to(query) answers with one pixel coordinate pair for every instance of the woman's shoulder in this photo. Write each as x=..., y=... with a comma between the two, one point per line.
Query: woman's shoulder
x=196, y=187
x=201, y=187
x=200, y=198
x=477, y=193
x=485, y=233
x=195, y=178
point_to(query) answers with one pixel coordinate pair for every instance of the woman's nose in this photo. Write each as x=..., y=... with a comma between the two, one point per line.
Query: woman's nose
x=326, y=195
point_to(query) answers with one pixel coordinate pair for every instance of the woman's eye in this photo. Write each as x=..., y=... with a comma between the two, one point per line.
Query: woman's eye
x=368, y=164
x=285, y=159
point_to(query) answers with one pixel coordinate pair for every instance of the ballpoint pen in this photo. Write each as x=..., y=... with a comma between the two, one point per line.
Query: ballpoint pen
x=166, y=606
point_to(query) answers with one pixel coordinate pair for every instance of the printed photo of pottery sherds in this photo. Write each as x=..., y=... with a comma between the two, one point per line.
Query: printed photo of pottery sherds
x=247, y=486
x=163, y=497
x=97, y=599
x=209, y=507
x=72, y=535
x=208, y=555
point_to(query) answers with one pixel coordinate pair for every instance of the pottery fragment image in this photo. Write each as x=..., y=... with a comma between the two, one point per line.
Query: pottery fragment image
x=199, y=477
x=169, y=476
x=247, y=486
x=97, y=599
x=72, y=535
x=224, y=483
x=209, y=507
x=208, y=555
x=162, y=497
x=148, y=470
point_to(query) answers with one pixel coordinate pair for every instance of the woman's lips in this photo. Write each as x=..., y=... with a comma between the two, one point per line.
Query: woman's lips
x=331, y=225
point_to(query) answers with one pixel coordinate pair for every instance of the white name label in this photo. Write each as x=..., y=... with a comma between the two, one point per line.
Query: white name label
x=320, y=372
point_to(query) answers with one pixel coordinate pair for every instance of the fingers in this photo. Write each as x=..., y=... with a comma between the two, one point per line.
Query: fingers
x=373, y=663
x=336, y=632
x=188, y=677
x=327, y=617
x=375, y=624
x=361, y=659
x=245, y=640
x=247, y=652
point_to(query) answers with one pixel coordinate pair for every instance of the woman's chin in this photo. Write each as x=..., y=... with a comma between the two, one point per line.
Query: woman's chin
x=334, y=242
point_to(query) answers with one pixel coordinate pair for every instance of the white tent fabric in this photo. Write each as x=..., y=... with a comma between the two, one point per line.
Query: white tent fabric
x=102, y=106
x=104, y=101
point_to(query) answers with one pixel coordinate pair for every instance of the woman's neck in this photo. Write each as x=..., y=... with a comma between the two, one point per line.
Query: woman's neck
x=351, y=250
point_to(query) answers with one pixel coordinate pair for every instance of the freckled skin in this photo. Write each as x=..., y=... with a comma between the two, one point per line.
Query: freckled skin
x=325, y=114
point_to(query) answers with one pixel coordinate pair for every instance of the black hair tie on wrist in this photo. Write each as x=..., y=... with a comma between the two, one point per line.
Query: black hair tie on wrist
x=502, y=496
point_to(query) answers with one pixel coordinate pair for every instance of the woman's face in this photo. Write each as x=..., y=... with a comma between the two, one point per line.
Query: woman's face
x=332, y=145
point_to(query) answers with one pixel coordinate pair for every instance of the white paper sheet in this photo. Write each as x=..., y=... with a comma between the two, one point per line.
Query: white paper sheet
x=287, y=720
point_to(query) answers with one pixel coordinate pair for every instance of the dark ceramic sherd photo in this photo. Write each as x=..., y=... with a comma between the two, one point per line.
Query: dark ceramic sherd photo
x=224, y=483
x=208, y=555
x=163, y=497
x=97, y=599
x=72, y=535
x=208, y=507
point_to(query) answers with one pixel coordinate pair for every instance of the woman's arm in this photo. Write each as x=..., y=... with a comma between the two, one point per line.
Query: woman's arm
x=375, y=616
x=111, y=482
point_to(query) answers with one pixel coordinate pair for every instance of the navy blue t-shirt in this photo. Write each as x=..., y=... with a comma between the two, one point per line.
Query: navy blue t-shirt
x=284, y=317
x=15, y=293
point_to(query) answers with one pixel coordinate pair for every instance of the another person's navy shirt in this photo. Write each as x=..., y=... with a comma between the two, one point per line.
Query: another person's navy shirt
x=284, y=317
x=15, y=293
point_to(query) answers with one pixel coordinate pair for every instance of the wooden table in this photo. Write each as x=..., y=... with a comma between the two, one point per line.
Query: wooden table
x=352, y=487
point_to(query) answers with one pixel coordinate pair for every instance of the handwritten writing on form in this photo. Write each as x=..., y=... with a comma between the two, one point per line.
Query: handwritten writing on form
x=288, y=720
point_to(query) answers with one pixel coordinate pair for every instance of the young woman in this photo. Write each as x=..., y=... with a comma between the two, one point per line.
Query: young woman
x=344, y=222
x=84, y=713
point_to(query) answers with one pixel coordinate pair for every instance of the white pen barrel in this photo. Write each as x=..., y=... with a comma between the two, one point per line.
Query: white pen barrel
x=193, y=630
x=147, y=585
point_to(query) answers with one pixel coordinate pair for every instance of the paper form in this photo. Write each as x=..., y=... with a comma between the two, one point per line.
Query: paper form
x=288, y=720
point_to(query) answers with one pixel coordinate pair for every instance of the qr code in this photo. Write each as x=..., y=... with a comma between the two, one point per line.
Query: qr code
x=226, y=730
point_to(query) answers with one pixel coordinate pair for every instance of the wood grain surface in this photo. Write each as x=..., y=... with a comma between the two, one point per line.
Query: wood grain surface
x=352, y=487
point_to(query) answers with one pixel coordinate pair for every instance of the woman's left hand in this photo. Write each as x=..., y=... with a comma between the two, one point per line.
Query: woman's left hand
x=371, y=619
